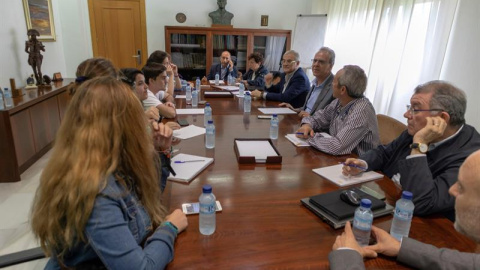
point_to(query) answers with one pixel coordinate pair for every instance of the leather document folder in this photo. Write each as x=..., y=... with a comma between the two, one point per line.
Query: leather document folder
x=333, y=205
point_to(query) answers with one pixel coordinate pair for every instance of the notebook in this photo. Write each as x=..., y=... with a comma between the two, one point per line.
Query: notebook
x=298, y=142
x=330, y=208
x=334, y=174
x=187, y=167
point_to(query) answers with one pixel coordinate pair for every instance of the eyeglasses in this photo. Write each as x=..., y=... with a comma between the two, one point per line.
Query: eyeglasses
x=413, y=110
x=287, y=62
x=319, y=61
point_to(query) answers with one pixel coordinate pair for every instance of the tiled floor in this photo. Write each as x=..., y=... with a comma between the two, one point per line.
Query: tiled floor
x=15, y=203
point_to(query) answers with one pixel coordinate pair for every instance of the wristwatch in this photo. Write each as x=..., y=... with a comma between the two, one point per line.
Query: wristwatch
x=423, y=148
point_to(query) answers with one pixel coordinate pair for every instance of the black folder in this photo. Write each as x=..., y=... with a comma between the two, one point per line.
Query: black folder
x=334, y=206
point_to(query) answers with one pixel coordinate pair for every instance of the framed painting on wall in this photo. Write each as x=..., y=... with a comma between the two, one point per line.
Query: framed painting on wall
x=39, y=16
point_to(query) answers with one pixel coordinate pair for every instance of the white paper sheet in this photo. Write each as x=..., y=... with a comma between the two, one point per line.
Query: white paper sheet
x=188, y=132
x=258, y=149
x=185, y=172
x=221, y=82
x=180, y=96
x=228, y=88
x=276, y=111
x=189, y=111
x=218, y=93
x=334, y=174
x=298, y=142
x=236, y=93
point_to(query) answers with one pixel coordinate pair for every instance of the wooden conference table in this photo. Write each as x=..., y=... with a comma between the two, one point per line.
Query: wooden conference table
x=263, y=225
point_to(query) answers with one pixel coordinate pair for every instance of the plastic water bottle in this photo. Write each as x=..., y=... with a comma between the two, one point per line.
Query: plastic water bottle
x=207, y=211
x=195, y=98
x=207, y=114
x=2, y=106
x=217, y=79
x=198, y=84
x=229, y=79
x=241, y=90
x=274, y=127
x=247, y=103
x=210, y=135
x=189, y=95
x=362, y=222
x=8, y=98
x=402, y=218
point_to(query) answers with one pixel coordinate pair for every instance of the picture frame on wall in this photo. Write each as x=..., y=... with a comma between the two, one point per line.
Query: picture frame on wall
x=39, y=16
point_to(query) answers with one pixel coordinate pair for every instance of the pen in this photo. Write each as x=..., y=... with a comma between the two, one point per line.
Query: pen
x=185, y=161
x=301, y=133
x=354, y=166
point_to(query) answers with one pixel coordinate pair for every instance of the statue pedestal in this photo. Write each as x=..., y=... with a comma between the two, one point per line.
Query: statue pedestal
x=222, y=25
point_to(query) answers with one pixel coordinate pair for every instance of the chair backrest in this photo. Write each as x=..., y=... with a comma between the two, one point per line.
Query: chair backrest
x=389, y=128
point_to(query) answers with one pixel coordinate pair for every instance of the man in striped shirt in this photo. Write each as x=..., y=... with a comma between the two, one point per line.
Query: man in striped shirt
x=349, y=123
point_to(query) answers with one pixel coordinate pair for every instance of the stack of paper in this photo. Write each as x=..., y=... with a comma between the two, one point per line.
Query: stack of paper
x=298, y=142
x=221, y=82
x=334, y=174
x=276, y=111
x=189, y=111
x=258, y=149
x=228, y=88
x=187, y=167
x=188, y=132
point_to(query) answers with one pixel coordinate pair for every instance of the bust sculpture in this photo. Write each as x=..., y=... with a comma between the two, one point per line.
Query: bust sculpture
x=33, y=48
x=221, y=16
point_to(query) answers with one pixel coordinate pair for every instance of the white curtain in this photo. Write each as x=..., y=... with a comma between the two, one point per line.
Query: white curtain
x=273, y=52
x=399, y=43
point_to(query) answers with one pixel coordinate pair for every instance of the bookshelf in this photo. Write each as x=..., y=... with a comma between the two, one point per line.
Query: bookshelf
x=195, y=49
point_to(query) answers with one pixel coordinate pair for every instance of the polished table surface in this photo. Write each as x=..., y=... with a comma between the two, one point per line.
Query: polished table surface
x=263, y=225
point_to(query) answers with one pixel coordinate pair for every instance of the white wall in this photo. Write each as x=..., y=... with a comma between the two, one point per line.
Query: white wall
x=282, y=15
x=72, y=26
x=463, y=57
x=13, y=58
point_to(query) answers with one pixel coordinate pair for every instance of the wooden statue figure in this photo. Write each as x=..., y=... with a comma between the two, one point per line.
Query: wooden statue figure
x=33, y=48
x=221, y=15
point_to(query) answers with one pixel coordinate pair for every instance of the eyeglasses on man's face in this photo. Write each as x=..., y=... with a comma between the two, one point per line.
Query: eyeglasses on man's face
x=288, y=61
x=319, y=61
x=414, y=111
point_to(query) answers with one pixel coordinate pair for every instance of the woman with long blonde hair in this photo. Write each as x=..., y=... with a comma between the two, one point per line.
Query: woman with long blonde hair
x=98, y=203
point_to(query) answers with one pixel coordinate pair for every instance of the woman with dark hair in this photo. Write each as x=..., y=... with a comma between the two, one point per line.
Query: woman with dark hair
x=255, y=76
x=174, y=80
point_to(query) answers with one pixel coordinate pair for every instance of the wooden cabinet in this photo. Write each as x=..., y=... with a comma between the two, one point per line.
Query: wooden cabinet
x=28, y=129
x=195, y=49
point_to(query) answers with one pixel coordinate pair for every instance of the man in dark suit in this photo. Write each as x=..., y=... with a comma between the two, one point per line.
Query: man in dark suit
x=294, y=86
x=225, y=67
x=321, y=93
x=425, y=158
x=347, y=254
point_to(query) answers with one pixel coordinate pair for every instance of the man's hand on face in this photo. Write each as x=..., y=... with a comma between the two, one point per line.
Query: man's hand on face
x=433, y=130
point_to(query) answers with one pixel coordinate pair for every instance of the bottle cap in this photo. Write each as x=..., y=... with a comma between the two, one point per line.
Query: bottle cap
x=275, y=115
x=210, y=121
x=248, y=93
x=366, y=203
x=407, y=195
x=207, y=188
x=207, y=104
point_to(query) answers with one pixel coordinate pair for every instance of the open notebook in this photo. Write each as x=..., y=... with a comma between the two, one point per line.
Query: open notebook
x=334, y=174
x=187, y=167
x=298, y=142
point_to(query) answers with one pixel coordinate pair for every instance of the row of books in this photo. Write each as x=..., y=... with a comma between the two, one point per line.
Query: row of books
x=189, y=60
x=228, y=42
x=188, y=39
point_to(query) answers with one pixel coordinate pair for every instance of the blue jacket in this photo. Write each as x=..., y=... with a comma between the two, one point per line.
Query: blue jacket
x=296, y=91
x=119, y=234
x=259, y=81
x=218, y=69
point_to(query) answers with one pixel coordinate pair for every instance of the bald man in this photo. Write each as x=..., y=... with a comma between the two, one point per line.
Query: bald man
x=347, y=254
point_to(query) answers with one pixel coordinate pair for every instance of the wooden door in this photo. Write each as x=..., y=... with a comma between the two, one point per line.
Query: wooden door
x=119, y=31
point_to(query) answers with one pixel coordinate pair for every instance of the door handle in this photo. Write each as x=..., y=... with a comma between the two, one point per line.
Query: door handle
x=139, y=57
